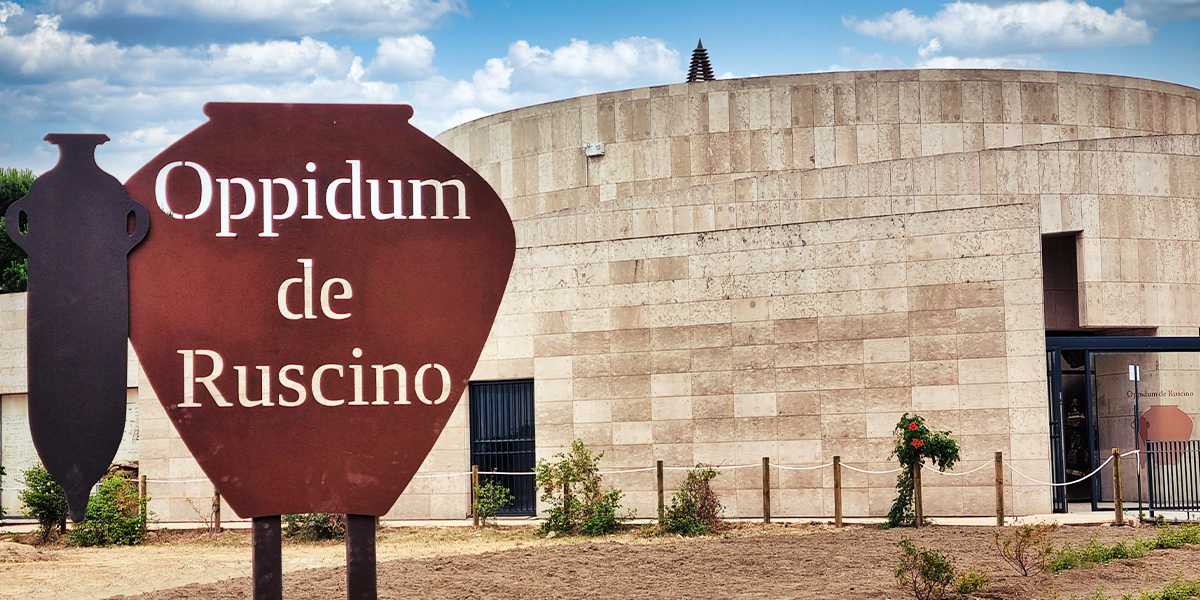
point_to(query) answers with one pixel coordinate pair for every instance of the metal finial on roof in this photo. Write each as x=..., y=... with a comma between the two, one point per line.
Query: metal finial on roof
x=700, y=70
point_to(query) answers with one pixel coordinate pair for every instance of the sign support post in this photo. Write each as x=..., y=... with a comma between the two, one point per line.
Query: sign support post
x=360, y=557
x=267, y=558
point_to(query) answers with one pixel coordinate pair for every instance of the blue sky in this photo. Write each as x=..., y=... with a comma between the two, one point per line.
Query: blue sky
x=140, y=70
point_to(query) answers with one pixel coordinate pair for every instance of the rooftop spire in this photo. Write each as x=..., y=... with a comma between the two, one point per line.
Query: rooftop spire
x=700, y=70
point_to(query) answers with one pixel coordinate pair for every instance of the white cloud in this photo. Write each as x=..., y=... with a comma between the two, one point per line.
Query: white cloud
x=145, y=96
x=292, y=17
x=1164, y=10
x=7, y=11
x=403, y=58
x=529, y=74
x=47, y=51
x=1009, y=29
x=932, y=48
x=622, y=60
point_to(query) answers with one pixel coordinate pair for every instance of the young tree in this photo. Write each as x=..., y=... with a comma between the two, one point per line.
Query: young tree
x=14, y=184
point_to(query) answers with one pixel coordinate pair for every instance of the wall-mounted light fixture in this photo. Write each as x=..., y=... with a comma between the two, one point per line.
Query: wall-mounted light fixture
x=593, y=149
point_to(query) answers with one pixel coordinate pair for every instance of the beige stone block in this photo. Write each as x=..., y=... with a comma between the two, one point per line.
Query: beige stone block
x=824, y=147
x=751, y=309
x=930, y=398
x=592, y=411
x=935, y=372
x=594, y=434
x=981, y=345
x=556, y=367
x=886, y=350
x=633, y=433
x=983, y=370
x=552, y=413
x=755, y=405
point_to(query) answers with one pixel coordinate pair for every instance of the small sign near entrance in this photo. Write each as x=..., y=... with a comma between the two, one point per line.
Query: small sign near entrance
x=310, y=303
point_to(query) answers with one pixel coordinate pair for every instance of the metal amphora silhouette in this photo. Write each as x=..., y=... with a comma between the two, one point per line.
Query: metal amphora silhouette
x=77, y=225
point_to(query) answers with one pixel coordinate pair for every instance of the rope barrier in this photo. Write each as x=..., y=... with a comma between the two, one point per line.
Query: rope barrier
x=643, y=469
x=990, y=462
x=18, y=486
x=896, y=470
x=802, y=468
x=1084, y=478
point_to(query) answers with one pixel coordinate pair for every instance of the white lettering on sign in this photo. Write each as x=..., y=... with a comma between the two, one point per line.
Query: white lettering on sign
x=345, y=293
x=239, y=191
x=299, y=388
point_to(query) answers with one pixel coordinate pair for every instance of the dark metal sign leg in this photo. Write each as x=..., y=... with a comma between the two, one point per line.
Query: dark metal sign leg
x=360, y=557
x=268, y=559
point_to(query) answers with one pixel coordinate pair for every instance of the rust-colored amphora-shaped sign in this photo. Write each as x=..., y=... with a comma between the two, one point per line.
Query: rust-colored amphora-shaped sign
x=310, y=303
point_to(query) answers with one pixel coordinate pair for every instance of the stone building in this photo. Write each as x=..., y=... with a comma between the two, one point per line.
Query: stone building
x=781, y=267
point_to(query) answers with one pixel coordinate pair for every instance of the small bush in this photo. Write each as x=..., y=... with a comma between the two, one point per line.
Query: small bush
x=1170, y=536
x=45, y=501
x=114, y=516
x=312, y=527
x=972, y=580
x=931, y=575
x=571, y=486
x=695, y=508
x=927, y=573
x=1092, y=553
x=490, y=497
x=1026, y=548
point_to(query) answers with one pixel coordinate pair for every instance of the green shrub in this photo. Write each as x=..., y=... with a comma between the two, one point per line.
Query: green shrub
x=914, y=443
x=490, y=497
x=114, y=515
x=1092, y=553
x=45, y=501
x=927, y=573
x=311, y=527
x=931, y=575
x=972, y=580
x=695, y=508
x=1171, y=536
x=1026, y=548
x=14, y=277
x=571, y=486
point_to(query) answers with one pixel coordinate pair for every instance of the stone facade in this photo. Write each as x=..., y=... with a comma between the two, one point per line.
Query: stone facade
x=783, y=266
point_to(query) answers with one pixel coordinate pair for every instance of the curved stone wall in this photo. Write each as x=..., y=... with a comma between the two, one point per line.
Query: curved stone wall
x=663, y=138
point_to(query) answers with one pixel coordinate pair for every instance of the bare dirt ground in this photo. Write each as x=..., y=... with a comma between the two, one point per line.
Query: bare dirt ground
x=747, y=561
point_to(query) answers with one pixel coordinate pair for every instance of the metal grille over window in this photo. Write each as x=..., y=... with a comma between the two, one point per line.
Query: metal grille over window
x=502, y=439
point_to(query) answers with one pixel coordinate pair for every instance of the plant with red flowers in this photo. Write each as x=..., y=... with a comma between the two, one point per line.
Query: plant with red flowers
x=914, y=444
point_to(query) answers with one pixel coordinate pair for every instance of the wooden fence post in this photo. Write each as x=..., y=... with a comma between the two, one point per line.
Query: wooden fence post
x=917, y=493
x=999, y=489
x=837, y=491
x=216, y=510
x=1118, y=506
x=474, y=495
x=766, y=489
x=142, y=511
x=661, y=514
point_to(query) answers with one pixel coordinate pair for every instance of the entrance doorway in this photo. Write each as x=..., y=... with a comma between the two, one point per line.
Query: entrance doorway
x=1095, y=406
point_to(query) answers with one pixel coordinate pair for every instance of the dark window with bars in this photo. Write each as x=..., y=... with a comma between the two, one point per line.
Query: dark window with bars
x=502, y=439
